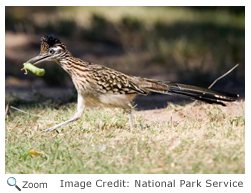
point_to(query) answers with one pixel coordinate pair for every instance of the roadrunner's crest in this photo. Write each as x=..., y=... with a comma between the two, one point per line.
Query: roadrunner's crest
x=50, y=41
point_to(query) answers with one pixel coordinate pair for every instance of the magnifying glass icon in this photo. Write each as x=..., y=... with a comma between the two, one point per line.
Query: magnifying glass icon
x=12, y=182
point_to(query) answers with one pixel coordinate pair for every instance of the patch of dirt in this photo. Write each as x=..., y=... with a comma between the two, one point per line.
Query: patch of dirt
x=197, y=111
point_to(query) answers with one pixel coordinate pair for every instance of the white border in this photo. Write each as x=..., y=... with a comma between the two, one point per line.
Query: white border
x=53, y=180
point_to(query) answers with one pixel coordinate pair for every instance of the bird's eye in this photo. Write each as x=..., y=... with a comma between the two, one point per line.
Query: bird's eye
x=52, y=51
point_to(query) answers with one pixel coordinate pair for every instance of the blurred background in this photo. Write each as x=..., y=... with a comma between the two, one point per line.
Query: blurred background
x=191, y=45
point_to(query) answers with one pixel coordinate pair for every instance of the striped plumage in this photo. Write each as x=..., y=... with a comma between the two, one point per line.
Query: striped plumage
x=101, y=86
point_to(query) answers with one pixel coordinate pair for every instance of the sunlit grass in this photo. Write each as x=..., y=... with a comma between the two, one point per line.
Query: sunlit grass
x=192, y=139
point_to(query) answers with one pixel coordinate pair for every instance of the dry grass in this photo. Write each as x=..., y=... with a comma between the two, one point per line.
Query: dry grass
x=180, y=139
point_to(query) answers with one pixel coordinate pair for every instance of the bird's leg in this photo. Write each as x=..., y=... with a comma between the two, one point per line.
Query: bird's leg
x=59, y=125
x=129, y=111
x=130, y=120
x=77, y=115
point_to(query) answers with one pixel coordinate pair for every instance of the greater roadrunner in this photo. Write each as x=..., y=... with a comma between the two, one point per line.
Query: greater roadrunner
x=101, y=86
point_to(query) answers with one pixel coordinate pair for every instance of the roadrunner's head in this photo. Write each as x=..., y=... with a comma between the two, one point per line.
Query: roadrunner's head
x=52, y=49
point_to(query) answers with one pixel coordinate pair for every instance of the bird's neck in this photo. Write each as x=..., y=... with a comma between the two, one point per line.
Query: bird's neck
x=71, y=64
x=77, y=69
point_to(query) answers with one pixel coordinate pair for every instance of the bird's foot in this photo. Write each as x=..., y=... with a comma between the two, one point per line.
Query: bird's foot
x=51, y=129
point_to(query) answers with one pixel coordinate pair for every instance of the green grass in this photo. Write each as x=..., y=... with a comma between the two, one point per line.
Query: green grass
x=193, y=139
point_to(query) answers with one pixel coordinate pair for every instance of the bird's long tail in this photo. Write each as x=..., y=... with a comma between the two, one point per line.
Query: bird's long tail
x=192, y=92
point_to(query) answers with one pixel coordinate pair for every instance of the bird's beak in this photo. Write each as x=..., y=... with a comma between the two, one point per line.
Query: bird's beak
x=38, y=59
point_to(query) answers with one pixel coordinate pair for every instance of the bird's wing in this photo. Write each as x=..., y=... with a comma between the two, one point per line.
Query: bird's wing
x=112, y=81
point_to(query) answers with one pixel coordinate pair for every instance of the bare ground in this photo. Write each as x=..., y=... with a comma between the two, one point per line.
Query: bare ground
x=176, y=114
